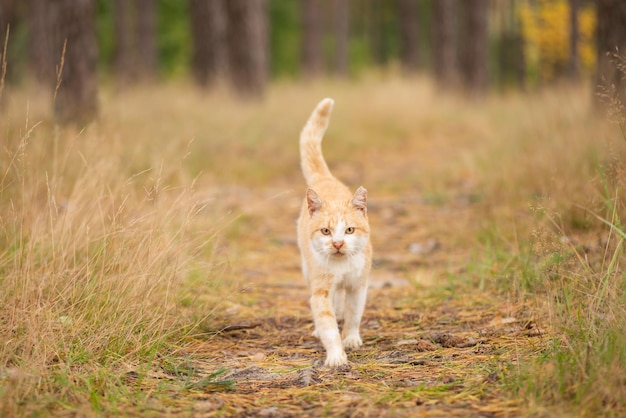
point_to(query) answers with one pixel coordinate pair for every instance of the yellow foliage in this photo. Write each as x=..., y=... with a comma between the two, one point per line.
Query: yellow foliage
x=586, y=40
x=546, y=32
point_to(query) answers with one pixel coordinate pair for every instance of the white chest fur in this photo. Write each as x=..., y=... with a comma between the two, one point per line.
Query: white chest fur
x=347, y=268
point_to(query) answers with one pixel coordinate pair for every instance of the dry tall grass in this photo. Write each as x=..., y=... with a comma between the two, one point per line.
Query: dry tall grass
x=95, y=260
x=107, y=235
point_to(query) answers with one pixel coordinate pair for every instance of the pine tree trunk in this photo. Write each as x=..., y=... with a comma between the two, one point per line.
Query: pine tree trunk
x=444, y=43
x=342, y=36
x=611, y=40
x=312, y=30
x=125, y=66
x=44, y=45
x=7, y=17
x=475, y=47
x=376, y=32
x=409, y=33
x=76, y=98
x=8, y=21
x=147, y=57
x=246, y=37
x=208, y=32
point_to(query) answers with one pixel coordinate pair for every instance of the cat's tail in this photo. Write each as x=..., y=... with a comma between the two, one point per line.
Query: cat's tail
x=311, y=158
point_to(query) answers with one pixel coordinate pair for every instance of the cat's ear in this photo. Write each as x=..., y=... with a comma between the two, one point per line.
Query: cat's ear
x=313, y=200
x=359, y=200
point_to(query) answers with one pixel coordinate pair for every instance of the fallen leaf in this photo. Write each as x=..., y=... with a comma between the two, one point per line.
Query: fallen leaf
x=258, y=356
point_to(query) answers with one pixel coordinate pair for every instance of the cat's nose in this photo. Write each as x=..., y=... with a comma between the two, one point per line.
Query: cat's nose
x=338, y=244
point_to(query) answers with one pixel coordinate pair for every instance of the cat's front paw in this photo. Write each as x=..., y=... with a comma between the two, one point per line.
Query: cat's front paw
x=352, y=341
x=336, y=360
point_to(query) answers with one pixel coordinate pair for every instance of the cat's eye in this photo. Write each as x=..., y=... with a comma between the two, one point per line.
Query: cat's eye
x=350, y=230
x=325, y=231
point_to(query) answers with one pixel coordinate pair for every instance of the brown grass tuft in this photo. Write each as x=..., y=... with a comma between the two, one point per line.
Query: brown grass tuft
x=94, y=264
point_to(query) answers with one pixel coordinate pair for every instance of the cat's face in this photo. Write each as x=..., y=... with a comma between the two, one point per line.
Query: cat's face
x=338, y=230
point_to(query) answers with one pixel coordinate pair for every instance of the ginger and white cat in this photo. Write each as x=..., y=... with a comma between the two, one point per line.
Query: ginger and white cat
x=334, y=241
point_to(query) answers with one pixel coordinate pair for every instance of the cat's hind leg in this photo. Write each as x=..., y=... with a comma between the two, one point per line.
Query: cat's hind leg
x=354, y=306
x=339, y=298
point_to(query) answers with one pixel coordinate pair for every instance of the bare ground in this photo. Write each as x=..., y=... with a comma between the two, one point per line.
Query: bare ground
x=434, y=345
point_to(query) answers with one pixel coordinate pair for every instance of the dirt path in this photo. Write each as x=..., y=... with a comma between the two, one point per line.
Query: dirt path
x=433, y=345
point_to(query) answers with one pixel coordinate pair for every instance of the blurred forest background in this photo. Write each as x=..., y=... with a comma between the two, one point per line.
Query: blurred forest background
x=474, y=45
